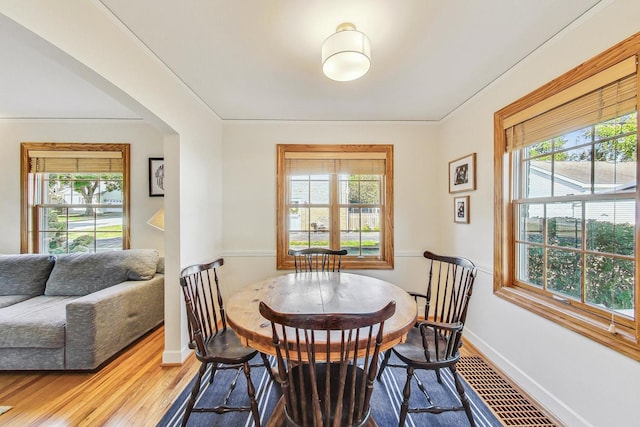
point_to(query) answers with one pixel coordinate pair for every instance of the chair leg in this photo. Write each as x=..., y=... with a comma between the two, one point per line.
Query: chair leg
x=194, y=394
x=214, y=368
x=406, y=393
x=463, y=396
x=387, y=356
x=251, y=391
x=267, y=366
x=438, y=376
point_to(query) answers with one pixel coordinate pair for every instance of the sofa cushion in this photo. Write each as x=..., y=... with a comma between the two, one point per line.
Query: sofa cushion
x=7, y=300
x=37, y=322
x=85, y=273
x=24, y=274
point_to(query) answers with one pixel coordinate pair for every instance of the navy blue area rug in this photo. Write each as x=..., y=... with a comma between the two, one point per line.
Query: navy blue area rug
x=385, y=401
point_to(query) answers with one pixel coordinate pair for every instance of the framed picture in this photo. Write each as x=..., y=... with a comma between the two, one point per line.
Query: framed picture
x=462, y=174
x=156, y=177
x=461, y=209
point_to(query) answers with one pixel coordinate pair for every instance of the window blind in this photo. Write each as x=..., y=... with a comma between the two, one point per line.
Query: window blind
x=41, y=161
x=604, y=96
x=327, y=163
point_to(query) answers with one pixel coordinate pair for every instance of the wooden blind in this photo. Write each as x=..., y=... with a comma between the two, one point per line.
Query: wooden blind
x=327, y=163
x=606, y=95
x=75, y=161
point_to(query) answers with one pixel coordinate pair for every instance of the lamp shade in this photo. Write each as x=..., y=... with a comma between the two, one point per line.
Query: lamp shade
x=157, y=220
x=346, y=54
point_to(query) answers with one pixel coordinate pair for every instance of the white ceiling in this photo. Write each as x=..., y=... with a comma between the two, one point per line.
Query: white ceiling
x=260, y=59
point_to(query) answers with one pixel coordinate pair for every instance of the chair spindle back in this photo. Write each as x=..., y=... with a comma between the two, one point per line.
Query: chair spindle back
x=449, y=287
x=317, y=259
x=203, y=301
x=317, y=356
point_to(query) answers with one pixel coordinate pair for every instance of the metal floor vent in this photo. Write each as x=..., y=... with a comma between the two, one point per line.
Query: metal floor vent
x=507, y=403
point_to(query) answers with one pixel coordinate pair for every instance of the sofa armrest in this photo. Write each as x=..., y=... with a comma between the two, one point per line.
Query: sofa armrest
x=102, y=323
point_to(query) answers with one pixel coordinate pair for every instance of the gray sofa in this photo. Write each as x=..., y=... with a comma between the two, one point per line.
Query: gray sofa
x=75, y=311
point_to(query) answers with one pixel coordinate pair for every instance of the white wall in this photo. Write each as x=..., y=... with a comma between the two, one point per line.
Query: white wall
x=582, y=382
x=249, y=192
x=145, y=142
x=93, y=40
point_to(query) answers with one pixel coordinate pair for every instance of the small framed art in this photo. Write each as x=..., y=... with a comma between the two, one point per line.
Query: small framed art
x=462, y=174
x=461, y=209
x=156, y=177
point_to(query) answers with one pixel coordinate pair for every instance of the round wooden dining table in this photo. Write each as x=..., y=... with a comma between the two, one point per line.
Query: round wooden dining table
x=318, y=292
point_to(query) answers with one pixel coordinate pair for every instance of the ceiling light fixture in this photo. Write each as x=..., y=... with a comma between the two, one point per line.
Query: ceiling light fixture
x=346, y=54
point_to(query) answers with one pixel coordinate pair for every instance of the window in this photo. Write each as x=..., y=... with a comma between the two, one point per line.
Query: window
x=75, y=197
x=338, y=197
x=567, y=200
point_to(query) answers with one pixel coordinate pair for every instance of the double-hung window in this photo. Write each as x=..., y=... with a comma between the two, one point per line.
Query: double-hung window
x=337, y=197
x=566, y=185
x=75, y=197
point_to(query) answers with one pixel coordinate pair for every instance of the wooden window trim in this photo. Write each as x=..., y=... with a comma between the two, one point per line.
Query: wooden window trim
x=283, y=260
x=73, y=148
x=626, y=340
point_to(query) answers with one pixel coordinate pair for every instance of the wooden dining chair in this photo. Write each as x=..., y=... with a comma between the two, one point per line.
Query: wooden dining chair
x=316, y=392
x=434, y=343
x=317, y=259
x=214, y=343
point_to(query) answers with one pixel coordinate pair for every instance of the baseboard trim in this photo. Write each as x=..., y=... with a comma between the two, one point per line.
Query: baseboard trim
x=175, y=358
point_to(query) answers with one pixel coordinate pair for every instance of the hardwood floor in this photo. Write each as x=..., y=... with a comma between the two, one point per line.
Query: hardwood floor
x=132, y=390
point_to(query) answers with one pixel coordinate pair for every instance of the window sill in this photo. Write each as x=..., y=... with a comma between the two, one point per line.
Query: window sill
x=596, y=328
